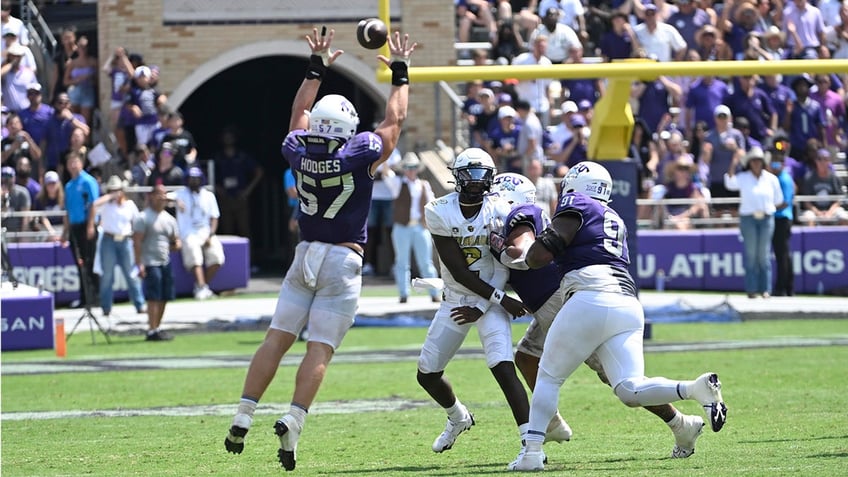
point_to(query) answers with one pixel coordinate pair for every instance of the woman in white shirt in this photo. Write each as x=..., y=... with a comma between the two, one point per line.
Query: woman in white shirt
x=760, y=197
x=115, y=245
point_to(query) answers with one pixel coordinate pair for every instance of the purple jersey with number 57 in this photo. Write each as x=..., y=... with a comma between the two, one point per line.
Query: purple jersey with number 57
x=598, y=253
x=534, y=286
x=333, y=184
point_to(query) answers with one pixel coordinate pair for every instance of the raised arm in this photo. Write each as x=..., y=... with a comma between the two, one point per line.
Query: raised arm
x=319, y=61
x=553, y=240
x=389, y=130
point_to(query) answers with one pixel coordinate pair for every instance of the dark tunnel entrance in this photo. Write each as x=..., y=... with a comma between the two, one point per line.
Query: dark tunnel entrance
x=256, y=97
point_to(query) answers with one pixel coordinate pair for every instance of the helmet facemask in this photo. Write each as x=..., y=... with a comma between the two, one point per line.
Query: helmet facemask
x=473, y=182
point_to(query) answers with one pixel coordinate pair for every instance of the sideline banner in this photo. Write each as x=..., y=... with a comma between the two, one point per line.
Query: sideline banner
x=27, y=321
x=625, y=187
x=712, y=259
x=52, y=266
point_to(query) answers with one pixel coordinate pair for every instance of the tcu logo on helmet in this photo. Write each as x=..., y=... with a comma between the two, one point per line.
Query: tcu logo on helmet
x=505, y=183
x=589, y=178
x=346, y=107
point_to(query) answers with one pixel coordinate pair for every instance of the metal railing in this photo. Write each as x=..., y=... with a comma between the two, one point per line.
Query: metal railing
x=725, y=219
x=459, y=138
x=133, y=192
x=704, y=222
x=40, y=33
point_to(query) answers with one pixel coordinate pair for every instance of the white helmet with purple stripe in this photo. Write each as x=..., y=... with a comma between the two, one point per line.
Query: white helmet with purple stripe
x=515, y=188
x=333, y=116
x=588, y=178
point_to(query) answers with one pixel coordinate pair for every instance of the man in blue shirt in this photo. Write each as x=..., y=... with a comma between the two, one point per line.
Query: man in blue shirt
x=784, y=284
x=80, y=192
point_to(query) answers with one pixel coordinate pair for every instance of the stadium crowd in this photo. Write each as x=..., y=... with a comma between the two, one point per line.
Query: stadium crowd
x=688, y=129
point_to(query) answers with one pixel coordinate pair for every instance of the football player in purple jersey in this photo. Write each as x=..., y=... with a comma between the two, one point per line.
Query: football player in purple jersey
x=539, y=290
x=334, y=170
x=600, y=314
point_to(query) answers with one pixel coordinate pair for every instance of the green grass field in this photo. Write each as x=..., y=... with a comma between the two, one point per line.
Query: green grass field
x=786, y=411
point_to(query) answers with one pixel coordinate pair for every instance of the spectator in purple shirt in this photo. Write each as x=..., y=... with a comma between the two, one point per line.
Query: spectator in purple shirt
x=779, y=94
x=744, y=126
x=120, y=71
x=750, y=102
x=59, y=129
x=805, y=116
x=710, y=46
x=805, y=27
x=834, y=111
x=619, y=42
x=746, y=21
x=655, y=98
x=704, y=96
x=688, y=19
x=796, y=169
x=583, y=89
x=36, y=116
x=574, y=149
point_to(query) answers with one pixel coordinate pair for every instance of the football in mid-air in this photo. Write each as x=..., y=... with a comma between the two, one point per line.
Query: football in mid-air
x=372, y=33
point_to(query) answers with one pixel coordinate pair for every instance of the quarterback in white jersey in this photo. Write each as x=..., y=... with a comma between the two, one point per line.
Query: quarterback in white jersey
x=460, y=224
x=445, y=219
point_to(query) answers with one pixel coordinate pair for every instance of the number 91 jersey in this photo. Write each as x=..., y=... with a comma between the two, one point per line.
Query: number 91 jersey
x=445, y=219
x=597, y=258
x=333, y=184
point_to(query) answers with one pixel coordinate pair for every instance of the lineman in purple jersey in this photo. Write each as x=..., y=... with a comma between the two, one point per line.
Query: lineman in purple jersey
x=600, y=315
x=539, y=291
x=334, y=171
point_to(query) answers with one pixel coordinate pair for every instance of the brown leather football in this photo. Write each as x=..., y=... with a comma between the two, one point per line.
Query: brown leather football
x=371, y=33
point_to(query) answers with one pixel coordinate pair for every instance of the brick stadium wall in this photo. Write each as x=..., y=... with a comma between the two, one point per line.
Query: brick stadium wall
x=180, y=50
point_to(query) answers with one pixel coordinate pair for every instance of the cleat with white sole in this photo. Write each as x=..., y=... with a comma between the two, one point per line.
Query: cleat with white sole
x=529, y=460
x=452, y=430
x=685, y=435
x=558, y=430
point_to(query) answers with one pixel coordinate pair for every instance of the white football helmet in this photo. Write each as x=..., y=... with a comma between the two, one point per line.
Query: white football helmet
x=473, y=165
x=588, y=178
x=515, y=188
x=333, y=116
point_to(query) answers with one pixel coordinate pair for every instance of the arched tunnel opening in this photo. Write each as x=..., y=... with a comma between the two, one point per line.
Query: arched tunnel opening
x=256, y=98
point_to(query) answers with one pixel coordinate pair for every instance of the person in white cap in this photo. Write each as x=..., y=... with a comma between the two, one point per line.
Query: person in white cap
x=721, y=147
x=16, y=76
x=10, y=37
x=197, y=218
x=503, y=140
x=760, y=197
x=145, y=102
x=117, y=214
x=51, y=198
